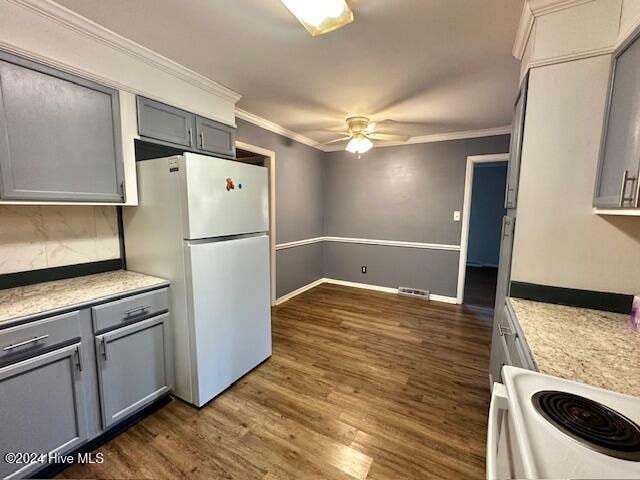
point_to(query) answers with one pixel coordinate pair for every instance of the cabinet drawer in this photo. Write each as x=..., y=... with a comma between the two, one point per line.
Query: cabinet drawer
x=130, y=309
x=24, y=341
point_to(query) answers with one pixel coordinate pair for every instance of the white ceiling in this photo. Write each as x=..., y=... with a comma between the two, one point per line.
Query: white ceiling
x=443, y=65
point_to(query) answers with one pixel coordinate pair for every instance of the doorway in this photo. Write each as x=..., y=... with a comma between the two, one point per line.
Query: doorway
x=485, y=186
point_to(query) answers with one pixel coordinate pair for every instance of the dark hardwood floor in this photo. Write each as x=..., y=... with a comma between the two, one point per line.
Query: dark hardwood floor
x=480, y=286
x=361, y=384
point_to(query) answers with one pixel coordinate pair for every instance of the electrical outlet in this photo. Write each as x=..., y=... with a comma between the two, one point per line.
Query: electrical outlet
x=364, y=269
x=456, y=216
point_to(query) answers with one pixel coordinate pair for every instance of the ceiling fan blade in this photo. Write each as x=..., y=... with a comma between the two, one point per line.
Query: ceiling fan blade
x=388, y=137
x=341, y=139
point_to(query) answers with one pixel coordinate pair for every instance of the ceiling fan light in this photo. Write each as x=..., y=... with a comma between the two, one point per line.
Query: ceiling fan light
x=320, y=16
x=359, y=144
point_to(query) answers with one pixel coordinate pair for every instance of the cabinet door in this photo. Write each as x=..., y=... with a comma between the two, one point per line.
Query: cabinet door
x=504, y=266
x=42, y=408
x=617, y=183
x=60, y=136
x=165, y=123
x=515, y=149
x=500, y=349
x=133, y=367
x=215, y=137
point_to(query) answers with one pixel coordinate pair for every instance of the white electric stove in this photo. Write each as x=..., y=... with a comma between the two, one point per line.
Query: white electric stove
x=543, y=427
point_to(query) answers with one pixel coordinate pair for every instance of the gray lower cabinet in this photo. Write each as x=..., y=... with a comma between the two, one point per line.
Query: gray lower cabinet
x=42, y=408
x=167, y=125
x=133, y=367
x=618, y=180
x=215, y=137
x=508, y=345
x=60, y=137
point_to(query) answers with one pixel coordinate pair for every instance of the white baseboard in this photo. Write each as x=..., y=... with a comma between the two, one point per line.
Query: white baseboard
x=298, y=291
x=365, y=286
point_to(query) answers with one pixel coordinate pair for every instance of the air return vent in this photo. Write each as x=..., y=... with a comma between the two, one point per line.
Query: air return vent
x=413, y=292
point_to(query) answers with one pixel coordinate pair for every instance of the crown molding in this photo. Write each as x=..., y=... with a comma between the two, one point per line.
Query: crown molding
x=530, y=11
x=276, y=128
x=71, y=20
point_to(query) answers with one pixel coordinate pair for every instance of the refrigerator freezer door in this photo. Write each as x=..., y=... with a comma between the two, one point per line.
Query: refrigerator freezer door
x=231, y=311
x=223, y=197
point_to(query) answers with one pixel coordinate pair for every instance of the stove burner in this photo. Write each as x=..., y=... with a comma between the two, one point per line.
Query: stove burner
x=590, y=423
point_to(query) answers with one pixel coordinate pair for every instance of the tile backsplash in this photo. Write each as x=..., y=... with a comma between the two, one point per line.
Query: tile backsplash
x=44, y=236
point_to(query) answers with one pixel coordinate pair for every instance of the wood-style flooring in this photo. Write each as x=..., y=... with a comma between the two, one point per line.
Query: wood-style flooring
x=361, y=384
x=480, y=286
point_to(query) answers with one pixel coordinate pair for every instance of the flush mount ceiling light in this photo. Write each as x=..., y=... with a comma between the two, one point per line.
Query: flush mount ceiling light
x=320, y=16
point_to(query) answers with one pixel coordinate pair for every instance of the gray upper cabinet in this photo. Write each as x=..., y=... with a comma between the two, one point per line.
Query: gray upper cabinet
x=517, y=135
x=42, y=407
x=167, y=125
x=133, y=367
x=214, y=137
x=60, y=136
x=617, y=183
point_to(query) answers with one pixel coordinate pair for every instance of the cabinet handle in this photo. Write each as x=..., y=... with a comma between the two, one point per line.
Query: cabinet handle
x=78, y=359
x=26, y=342
x=104, y=348
x=623, y=188
x=136, y=310
x=202, y=140
x=190, y=137
x=504, y=331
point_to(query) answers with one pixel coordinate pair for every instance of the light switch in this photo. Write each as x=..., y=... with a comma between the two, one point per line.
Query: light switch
x=456, y=216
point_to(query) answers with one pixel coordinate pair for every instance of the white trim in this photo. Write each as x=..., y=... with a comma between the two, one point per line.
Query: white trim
x=629, y=212
x=439, y=137
x=270, y=163
x=466, y=210
x=365, y=286
x=298, y=291
x=394, y=243
x=525, y=27
x=299, y=243
x=530, y=11
x=369, y=241
x=275, y=128
x=570, y=57
x=88, y=28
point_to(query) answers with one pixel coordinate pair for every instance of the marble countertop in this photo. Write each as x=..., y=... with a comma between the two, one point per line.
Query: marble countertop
x=60, y=294
x=588, y=346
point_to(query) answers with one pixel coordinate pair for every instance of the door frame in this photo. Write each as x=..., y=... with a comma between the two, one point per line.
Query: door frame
x=270, y=163
x=466, y=214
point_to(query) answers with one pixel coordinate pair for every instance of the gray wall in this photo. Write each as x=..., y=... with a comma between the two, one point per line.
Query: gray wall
x=299, y=204
x=405, y=193
x=487, y=210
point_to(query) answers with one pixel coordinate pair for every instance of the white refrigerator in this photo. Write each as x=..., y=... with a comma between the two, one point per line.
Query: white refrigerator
x=202, y=223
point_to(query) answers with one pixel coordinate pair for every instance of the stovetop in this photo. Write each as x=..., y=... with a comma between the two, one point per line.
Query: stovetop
x=591, y=423
x=567, y=429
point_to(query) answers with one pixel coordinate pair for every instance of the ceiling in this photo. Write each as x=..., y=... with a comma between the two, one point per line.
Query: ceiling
x=443, y=65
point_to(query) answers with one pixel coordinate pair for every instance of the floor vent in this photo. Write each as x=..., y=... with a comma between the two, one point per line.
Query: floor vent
x=413, y=292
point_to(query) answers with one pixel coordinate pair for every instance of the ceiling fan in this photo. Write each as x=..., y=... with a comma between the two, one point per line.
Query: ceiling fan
x=362, y=132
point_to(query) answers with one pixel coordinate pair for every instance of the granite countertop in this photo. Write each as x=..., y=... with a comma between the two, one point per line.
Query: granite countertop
x=50, y=296
x=588, y=346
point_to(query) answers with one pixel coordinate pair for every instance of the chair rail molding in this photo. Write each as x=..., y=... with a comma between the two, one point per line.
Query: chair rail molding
x=369, y=241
